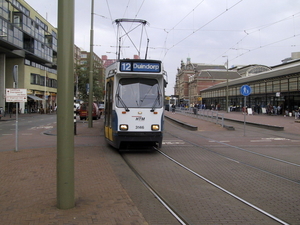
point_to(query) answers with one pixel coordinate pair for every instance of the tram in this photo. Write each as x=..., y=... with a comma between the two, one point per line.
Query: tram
x=134, y=102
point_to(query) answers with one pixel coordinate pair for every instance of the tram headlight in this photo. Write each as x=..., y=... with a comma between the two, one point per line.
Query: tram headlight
x=123, y=127
x=154, y=127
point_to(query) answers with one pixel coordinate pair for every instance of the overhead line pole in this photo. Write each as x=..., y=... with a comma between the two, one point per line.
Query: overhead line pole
x=90, y=118
x=65, y=105
x=227, y=104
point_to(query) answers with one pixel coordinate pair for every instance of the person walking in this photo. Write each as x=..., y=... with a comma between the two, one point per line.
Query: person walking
x=173, y=108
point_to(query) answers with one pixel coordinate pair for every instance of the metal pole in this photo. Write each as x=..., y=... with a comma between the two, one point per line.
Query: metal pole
x=227, y=87
x=65, y=105
x=90, y=121
x=16, y=77
x=17, y=125
x=45, y=91
x=226, y=83
x=245, y=116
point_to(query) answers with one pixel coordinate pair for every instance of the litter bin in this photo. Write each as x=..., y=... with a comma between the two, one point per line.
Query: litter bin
x=195, y=110
x=1, y=112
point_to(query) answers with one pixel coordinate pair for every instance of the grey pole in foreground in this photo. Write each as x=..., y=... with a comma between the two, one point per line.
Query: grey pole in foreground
x=65, y=105
x=91, y=75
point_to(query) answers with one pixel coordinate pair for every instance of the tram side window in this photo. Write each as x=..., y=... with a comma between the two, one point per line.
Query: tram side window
x=139, y=92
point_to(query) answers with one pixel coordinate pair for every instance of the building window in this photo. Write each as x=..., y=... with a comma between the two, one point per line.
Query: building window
x=269, y=87
x=4, y=12
x=34, y=78
x=3, y=29
x=293, y=84
x=276, y=86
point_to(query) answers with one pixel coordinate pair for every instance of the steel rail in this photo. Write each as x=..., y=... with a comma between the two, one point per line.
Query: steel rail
x=245, y=150
x=224, y=190
x=156, y=195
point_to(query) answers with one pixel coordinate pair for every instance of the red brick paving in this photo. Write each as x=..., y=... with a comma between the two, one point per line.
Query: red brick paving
x=28, y=188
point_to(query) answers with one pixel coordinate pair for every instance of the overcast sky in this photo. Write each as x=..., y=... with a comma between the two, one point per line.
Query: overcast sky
x=247, y=31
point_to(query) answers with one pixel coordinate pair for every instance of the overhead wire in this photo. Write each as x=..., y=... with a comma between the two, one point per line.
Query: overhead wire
x=126, y=8
x=116, y=35
x=210, y=21
x=165, y=42
x=246, y=31
x=261, y=27
x=250, y=31
x=266, y=45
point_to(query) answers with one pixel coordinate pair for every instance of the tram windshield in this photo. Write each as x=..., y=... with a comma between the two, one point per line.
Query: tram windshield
x=138, y=93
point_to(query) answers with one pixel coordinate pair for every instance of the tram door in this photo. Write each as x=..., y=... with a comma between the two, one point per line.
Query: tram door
x=108, y=109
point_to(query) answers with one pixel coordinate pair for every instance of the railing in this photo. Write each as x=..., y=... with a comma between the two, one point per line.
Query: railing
x=205, y=114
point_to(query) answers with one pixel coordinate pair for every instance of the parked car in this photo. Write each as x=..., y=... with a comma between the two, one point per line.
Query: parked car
x=83, y=111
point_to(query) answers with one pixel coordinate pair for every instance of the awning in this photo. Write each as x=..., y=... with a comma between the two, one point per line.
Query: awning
x=35, y=97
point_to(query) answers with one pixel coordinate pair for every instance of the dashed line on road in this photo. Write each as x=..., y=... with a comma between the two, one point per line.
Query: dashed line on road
x=173, y=142
x=260, y=141
x=41, y=127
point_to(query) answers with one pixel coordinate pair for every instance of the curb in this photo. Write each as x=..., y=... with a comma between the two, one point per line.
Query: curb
x=265, y=126
x=183, y=124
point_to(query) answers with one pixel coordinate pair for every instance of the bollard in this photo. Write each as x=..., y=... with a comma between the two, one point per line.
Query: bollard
x=75, y=128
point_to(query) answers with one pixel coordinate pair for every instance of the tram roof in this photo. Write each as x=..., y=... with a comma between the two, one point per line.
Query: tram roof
x=277, y=72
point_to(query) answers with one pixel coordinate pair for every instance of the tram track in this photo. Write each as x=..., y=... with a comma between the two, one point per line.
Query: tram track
x=171, y=208
x=212, y=164
x=224, y=190
x=193, y=135
x=176, y=213
x=165, y=204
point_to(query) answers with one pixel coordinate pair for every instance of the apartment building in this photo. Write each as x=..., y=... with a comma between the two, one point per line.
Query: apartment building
x=29, y=42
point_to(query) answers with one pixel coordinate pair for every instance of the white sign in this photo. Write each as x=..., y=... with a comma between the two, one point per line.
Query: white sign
x=249, y=110
x=16, y=95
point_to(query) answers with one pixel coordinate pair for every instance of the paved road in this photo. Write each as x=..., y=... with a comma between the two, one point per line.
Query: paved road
x=107, y=192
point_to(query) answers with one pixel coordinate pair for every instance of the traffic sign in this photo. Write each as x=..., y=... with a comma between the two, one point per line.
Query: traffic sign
x=246, y=90
x=16, y=95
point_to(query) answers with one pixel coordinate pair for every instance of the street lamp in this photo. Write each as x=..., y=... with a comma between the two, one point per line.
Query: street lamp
x=91, y=73
x=226, y=83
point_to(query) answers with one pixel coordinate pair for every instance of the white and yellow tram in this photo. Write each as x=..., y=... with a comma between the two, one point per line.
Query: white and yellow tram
x=134, y=102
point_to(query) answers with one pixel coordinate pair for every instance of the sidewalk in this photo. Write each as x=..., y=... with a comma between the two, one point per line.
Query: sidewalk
x=28, y=185
x=289, y=124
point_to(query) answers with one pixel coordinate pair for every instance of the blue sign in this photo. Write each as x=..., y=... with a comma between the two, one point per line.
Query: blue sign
x=246, y=90
x=140, y=67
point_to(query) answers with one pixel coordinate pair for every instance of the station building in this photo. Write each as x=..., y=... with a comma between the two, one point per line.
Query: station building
x=191, y=78
x=213, y=85
x=278, y=86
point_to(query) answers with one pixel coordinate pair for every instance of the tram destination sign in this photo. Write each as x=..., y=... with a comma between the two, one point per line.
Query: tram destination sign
x=151, y=67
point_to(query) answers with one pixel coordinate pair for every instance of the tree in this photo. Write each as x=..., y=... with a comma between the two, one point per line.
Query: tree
x=83, y=81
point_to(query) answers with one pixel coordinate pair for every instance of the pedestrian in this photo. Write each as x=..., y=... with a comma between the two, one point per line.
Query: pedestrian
x=278, y=110
x=173, y=108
